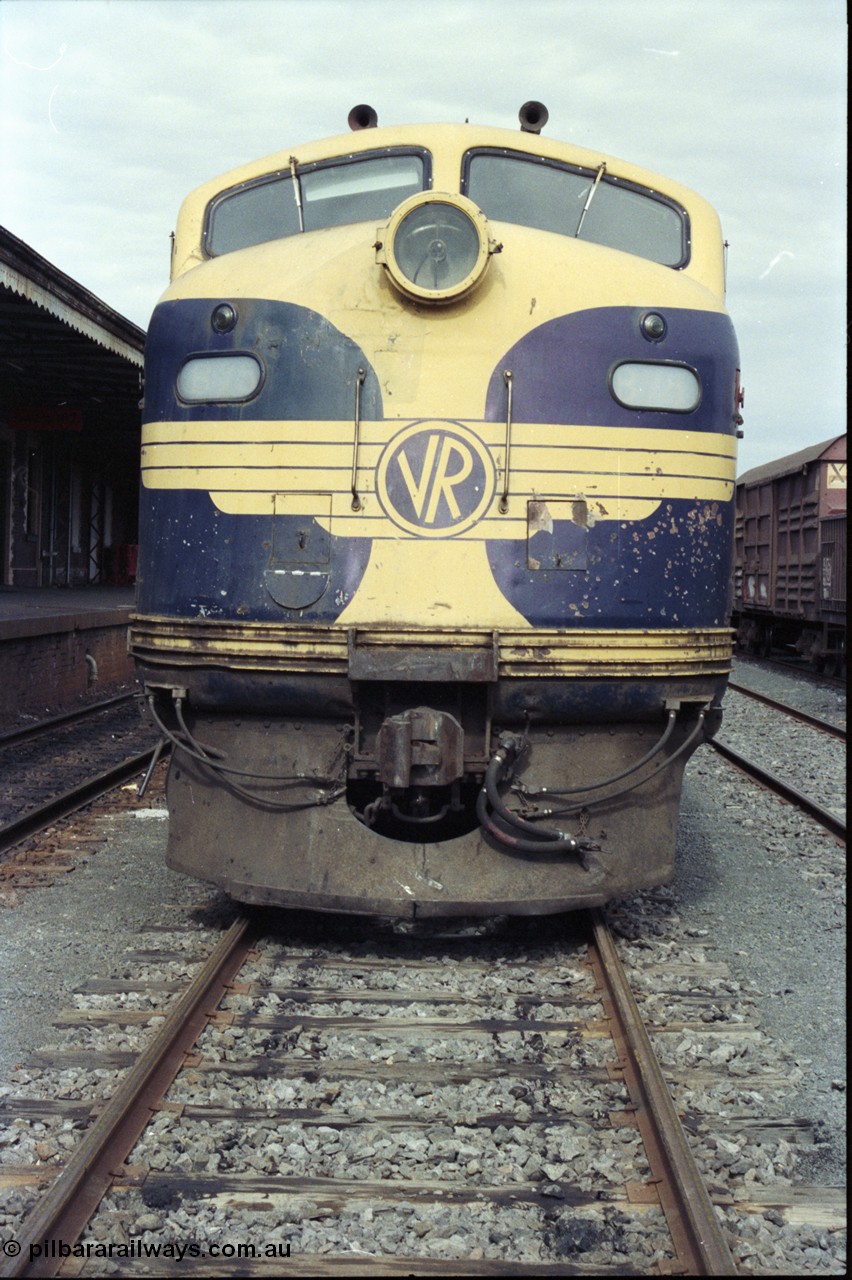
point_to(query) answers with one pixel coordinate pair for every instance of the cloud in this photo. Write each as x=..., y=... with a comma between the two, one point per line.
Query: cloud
x=785, y=253
x=112, y=112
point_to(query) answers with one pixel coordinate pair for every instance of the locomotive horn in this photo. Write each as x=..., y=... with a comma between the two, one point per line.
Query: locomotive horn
x=363, y=117
x=533, y=117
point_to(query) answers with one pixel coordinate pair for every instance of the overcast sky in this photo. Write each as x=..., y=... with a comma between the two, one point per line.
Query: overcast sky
x=112, y=110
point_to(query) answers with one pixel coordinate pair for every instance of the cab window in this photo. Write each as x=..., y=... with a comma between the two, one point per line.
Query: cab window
x=330, y=194
x=533, y=192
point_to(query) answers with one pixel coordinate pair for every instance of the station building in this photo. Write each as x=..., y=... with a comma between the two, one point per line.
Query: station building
x=70, y=426
x=70, y=386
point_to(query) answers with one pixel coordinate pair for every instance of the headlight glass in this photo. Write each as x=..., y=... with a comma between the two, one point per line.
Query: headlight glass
x=436, y=246
x=231, y=377
x=645, y=385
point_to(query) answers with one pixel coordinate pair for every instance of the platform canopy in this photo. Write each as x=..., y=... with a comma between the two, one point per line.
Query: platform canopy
x=62, y=348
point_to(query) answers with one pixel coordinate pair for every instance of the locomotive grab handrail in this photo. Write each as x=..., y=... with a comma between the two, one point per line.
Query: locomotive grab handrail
x=508, y=378
x=359, y=382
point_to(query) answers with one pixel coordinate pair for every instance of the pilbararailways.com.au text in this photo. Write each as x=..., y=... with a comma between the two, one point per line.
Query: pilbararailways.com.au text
x=152, y=1249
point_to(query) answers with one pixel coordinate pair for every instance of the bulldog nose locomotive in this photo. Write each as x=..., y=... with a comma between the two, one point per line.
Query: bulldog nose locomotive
x=438, y=470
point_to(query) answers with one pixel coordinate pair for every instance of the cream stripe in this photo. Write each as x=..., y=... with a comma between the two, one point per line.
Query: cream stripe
x=540, y=484
x=531, y=460
x=623, y=473
x=550, y=435
x=371, y=521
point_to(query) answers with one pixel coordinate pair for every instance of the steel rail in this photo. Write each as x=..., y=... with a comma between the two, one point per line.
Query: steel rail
x=15, y=737
x=815, y=722
x=70, y=801
x=797, y=667
x=65, y=1209
x=696, y=1234
x=824, y=817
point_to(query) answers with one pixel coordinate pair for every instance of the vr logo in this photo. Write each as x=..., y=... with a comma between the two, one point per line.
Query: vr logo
x=436, y=482
x=435, y=479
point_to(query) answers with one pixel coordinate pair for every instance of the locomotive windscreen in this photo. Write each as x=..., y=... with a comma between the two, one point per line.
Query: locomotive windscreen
x=551, y=197
x=328, y=195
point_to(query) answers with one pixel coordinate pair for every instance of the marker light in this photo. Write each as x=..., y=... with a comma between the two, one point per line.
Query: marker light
x=646, y=385
x=227, y=377
x=653, y=326
x=224, y=318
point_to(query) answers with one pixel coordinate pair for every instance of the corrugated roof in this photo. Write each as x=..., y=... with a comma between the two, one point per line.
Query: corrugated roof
x=787, y=466
x=29, y=275
x=59, y=344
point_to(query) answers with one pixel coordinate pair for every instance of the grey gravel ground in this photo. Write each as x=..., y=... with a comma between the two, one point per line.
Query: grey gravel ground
x=775, y=931
x=44, y=951
x=759, y=882
x=771, y=888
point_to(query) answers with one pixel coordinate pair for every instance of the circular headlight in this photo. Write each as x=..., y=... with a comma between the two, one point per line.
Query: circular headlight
x=436, y=247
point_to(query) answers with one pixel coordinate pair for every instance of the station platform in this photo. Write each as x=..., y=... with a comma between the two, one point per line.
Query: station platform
x=45, y=605
x=60, y=647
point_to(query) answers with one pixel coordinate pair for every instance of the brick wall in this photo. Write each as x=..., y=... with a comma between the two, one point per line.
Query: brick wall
x=48, y=672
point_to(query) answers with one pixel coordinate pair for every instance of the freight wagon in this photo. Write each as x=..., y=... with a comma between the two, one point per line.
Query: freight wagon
x=790, y=574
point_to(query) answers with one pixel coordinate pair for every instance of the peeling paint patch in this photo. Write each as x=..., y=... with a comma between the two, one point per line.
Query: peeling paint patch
x=538, y=518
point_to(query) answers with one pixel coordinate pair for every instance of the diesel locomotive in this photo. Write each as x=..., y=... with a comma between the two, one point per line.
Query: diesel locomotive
x=438, y=468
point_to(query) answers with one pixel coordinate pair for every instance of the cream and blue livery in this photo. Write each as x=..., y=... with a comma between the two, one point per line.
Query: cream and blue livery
x=438, y=470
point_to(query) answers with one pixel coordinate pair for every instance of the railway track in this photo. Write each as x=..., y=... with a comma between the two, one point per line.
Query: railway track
x=76, y=797
x=534, y=1127
x=825, y=726
x=42, y=728
x=334, y=1090
x=805, y=769
x=50, y=768
x=800, y=668
x=42, y=762
x=825, y=817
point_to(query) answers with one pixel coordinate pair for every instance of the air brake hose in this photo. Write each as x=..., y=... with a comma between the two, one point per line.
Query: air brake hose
x=509, y=749
x=544, y=839
x=228, y=774
x=507, y=753
x=616, y=777
x=557, y=845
